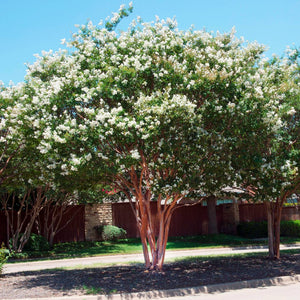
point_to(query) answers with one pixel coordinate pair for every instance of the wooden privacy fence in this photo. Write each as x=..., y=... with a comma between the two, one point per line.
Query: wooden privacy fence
x=186, y=220
x=71, y=226
x=258, y=212
x=193, y=220
x=78, y=222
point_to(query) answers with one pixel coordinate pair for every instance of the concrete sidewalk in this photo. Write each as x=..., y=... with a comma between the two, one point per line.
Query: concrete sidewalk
x=113, y=259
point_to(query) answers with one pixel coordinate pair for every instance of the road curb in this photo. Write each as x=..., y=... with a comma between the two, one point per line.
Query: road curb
x=181, y=292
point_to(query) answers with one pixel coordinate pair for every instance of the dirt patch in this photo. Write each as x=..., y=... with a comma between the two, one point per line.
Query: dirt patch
x=134, y=278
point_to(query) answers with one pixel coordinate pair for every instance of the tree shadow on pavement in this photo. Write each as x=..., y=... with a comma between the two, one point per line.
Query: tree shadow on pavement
x=134, y=278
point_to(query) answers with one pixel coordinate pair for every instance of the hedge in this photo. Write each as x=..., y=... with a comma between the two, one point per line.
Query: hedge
x=260, y=229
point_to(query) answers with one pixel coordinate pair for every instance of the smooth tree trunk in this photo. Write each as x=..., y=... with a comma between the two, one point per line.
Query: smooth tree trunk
x=154, y=235
x=38, y=200
x=49, y=222
x=15, y=219
x=22, y=221
x=212, y=214
x=153, y=228
x=274, y=211
x=270, y=230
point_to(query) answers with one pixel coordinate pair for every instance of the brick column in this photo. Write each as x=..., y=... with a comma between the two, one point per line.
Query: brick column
x=231, y=217
x=96, y=214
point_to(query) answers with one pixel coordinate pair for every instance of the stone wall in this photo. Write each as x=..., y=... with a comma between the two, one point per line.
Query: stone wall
x=231, y=217
x=96, y=214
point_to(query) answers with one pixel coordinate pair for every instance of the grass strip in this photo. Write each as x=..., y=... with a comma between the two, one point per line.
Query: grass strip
x=187, y=259
x=130, y=246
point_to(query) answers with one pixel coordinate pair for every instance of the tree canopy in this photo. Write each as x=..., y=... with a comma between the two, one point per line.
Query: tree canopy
x=156, y=113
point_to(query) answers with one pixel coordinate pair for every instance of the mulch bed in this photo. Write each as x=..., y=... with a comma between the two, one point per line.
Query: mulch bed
x=134, y=278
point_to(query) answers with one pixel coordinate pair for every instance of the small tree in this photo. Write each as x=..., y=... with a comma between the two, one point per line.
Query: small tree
x=282, y=161
x=25, y=169
x=274, y=172
x=154, y=112
x=19, y=163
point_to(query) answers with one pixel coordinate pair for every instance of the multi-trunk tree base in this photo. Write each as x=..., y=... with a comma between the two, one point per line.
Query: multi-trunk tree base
x=274, y=210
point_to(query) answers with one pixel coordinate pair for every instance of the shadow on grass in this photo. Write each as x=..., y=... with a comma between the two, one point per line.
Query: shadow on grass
x=204, y=241
x=79, y=249
x=134, y=278
x=84, y=249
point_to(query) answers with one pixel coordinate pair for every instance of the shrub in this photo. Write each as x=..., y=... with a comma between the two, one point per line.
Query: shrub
x=37, y=243
x=99, y=230
x=290, y=228
x=253, y=230
x=113, y=233
x=260, y=229
x=3, y=257
x=110, y=232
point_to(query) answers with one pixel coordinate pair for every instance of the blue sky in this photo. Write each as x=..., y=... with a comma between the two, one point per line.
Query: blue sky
x=30, y=26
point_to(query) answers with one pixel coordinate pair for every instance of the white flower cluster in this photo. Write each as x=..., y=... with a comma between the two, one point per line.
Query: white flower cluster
x=174, y=103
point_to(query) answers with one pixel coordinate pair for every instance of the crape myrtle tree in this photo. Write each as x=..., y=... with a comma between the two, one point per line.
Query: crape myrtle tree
x=17, y=161
x=152, y=112
x=282, y=160
x=274, y=173
x=28, y=183
x=36, y=202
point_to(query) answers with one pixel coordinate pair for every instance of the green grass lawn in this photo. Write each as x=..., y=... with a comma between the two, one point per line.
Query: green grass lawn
x=127, y=246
